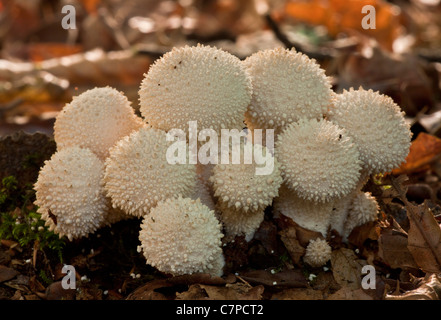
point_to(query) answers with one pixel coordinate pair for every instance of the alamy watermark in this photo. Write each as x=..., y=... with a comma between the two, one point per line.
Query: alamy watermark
x=235, y=147
x=69, y=20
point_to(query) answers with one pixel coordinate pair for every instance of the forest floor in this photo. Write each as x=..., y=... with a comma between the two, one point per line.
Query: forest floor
x=42, y=68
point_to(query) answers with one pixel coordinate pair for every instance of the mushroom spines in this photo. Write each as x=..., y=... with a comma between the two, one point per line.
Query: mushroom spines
x=287, y=85
x=182, y=236
x=318, y=252
x=70, y=194
x=138, y=175
x=96, y=119
x=241, y=185
x=319, y=161
x=198, y=83
x=377, y=125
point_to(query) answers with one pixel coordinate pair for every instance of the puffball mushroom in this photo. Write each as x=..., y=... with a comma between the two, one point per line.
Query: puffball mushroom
x=138, y=175
x=362, y=209
x=239, y=185
x=237, y=222
x=70, y=194
x=96, y=119
x=287, y=86
x=318, y=252
x=198, y=83
x=319, y=160
x=377, y=125
x=306, y=213
x=182, y=236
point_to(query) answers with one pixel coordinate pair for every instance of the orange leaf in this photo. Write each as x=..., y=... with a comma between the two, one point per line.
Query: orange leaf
x=44, y=51
x=346, y=15
x=424, y=150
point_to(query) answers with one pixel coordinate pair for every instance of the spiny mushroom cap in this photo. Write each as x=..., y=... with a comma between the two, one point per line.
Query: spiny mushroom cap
x=287, y=86
x=318, y=160
x=70, y=194
x=96, y=119
x=318, y=252
x=138, y=175
x=307, y=214
x=237, y=222
x=363, y=208
x=199, y=83
x=238, y=184
x=377, y=125
x=182, y=236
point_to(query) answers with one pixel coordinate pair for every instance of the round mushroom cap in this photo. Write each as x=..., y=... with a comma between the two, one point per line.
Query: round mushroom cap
x=198, y=83
x=96, y=119
x=182, y=236
x=318, y=252
x=377, y=125
x=287, y=86
x=70, y=194
x=241, y=185
x=138, y=174
x=306, y=213
x=363, y=209
x=319, y=161
x=237, y=222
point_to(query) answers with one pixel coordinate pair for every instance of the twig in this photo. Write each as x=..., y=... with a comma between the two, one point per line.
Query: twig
x=323, y=54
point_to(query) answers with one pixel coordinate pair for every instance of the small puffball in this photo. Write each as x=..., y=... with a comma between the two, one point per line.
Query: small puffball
x=318, y=253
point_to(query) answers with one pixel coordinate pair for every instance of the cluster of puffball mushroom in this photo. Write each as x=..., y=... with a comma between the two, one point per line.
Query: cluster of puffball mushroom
x=111, y=164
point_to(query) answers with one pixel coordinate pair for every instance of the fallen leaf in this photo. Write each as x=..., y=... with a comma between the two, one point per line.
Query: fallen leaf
x=285, y=278
x=298, y=294
x=392, y=247
x=292, y=244
x=348, y=293
x=194, y=292
x=342, y=16
x=346, y=267
x=235, y=291
x=424, y=150
x=430, y=289
x=360, y=234
x=424, y=236
x=7, y=273
x=43, y=51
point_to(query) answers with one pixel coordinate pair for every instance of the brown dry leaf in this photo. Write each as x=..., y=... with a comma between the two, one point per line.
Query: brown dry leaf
x=285, y=278
x=343, y=16
x=289, y=239
x=91, y=6
x=392, y=247
x=194, y=292
x=347, y=293
x=424, y=150
x=370, y=230
x=430, y=289
x=406, y=78
x=298, y=294
x=235, y=291
x=302, y=235
x=43, y=51
x=346, y=267
x=424, y=236
x=148, y=291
